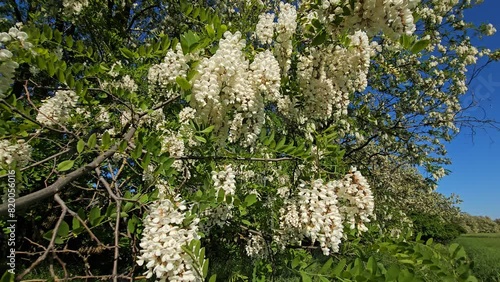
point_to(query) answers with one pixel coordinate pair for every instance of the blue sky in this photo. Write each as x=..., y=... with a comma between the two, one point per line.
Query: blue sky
x=475, y=170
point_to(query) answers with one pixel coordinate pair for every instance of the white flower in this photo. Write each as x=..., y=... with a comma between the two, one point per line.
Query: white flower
x=490, y=29
x=257, y=247
x=57, y=109
x=314, y=214
x=357, y=199
x=264, y=30
x=19, y=152
x=162, y=239
x=5, y=37
x=5, y=54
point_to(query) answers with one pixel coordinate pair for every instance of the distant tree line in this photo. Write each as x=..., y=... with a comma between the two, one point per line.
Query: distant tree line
x=479, y=224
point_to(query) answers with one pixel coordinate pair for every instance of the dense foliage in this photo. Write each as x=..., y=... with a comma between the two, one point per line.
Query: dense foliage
x=276, y=140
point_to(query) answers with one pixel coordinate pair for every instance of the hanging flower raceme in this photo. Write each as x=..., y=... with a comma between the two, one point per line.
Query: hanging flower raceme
x=19, y=152
x=356, y=199
x=8, y=63
x=319, y=211
x=315, y=215
x=163, y=237
x=392, y=17
x=224, y=182
x=57, y=109
x=229, y=92
x=330, y=74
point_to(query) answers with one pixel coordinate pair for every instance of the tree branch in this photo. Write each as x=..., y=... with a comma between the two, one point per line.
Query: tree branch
x=38, y=196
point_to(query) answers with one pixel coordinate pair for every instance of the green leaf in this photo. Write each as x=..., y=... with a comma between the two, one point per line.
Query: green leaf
x=188, y=41
x=94, y=215
x=50, y=68
x=128, y=206
x=47, y=31
x=66, y=165
x=371, y=265
x=406, y=41
x=106, y=140
x=40, y=62
x=58, y=240
x=250, y=199
x=61, y=76
x=183, y=83
x=295, y=262
x=392, y=273
x=213, y=278
x=63, y=229
x=75, y=223
x=326, y=266
x=57, y=36
x=80, y=146
x=192, y=73
x=48, y=235
x=337, y=270
x=305, y=277
x=69, y=41
x=127, y=53
x=137, y=152
x=270, y=139
x=92, y=141
x=9, y=277
x=281, y=143
x=210, y=30
x=246, y=222
x=123, y=146
x=143, y=199
x=452, y=248
x=205, y=268
x=131, y=226
x=208, y=129
x=320, y=38
x=201, y=139
x=420, y=45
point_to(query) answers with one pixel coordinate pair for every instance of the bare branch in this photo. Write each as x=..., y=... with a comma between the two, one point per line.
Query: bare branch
x=38, y=196
x=49, y=247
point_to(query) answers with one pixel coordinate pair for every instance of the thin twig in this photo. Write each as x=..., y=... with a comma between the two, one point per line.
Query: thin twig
x=49, y=247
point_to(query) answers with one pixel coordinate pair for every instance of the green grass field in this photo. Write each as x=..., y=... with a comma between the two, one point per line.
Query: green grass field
x=484, y=250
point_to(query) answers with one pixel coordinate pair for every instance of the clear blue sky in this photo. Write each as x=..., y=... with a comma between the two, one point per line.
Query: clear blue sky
x=475, y=170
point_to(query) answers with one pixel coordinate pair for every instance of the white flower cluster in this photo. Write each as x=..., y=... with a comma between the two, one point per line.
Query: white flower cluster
x=57, y=109
x=163, y=237
x=489, y=30
x=164, y=74
x=224, y=182
x=257, y=247
x=266, y=76
x=436, y=10
x=186, y=114
x=315, y=215
x=7, y=64
x=173, y=144
x=319, y=211
x=74, y=7
x=226, y=91
x=356, y=199
x=392, y=17
x=126, y=83
x=285, y=29
x=264, y=30
x=19, y=152
x=330, y=74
